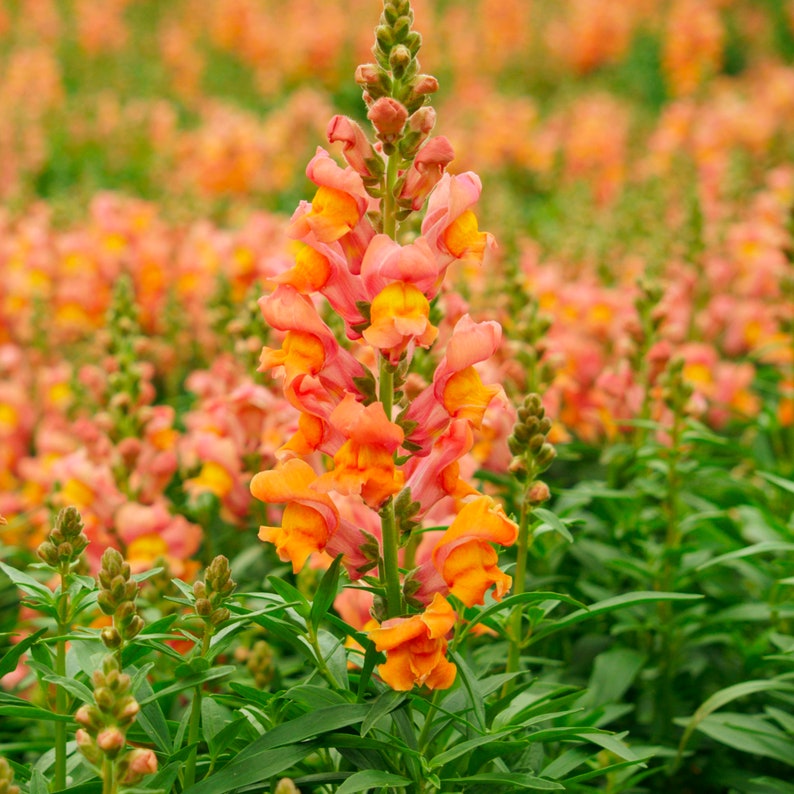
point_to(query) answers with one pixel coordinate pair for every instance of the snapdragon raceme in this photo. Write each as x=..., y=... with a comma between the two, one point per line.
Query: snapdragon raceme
x=366, y=464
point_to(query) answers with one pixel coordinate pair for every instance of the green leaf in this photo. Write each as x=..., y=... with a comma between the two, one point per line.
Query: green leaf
x=462, y=748
x=552, y=522
x=614, y=672
x=748, y=551
x=371, y=778
x=513, y=780
x=213, y=719
x=72, y=686
x=512, y=601
x=33, y=713
x=260, y=760
x=326, y=593
x=151, y=718
x=27, y=584
x=750, y=734
x=469, y=681
x=191, y=681
x=291, y=594
x=315, y=723
x=383, y=705
x=609, y=605
x=786, y=485
x=38, y=783
x=722, y=698
x=266, y=765
x=11, y=659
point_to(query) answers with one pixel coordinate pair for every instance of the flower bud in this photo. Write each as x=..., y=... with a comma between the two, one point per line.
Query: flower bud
x=286, y=786
x=546, y=456
x=399, y=60
x=425, y=84
x=104, y=699
x=89, y=718
x=203, y=607
x=87, y=746
x=367, y=74
x=48, y=553
x=128, y=711
x=137, y=763
x=110, y=741
x=110, y=638
x=388, y=116
x=538, y=493
x=423, y=120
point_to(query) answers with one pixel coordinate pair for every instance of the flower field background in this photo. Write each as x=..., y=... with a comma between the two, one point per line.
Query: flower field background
x=626, y=439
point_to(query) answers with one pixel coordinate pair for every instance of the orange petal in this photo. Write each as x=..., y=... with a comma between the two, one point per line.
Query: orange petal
x=439, y=617
x=334, y=213
x=303, y=531
x=470, y=569
x=463, y=236
x=482, y=518
x=310, y=273
x=465, y=396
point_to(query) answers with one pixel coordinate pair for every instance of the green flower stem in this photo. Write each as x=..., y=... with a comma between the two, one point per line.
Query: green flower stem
x=109, y=777
x=424, y=736
x=519, y=582
x=663, y=716
x=389, y=203
x=63, y=627
x=195, y=715
x=322, y=667
x=389, y=567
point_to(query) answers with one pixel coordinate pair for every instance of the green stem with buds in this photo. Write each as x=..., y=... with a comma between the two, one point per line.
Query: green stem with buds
x=195, y=714
x=59, y=780
x=389, y=566
x=519, y=582
x=109, y=777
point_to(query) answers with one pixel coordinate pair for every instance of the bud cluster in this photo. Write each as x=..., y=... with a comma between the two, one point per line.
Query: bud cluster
x=7, y=778
x=104, y=725
x=66, y=542
x=532, y=453
x=396, y=95
x=676, y=392
x=259, y=664
x=212, y=593
x=117, y=594
x=125, y=380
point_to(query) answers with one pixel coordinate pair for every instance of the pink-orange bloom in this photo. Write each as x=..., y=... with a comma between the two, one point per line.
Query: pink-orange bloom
x=365, y=462
x=356, y=147
x=337, y=207
x=310, y=517
x=449, y=224
x=400, y=320
x=465, y=557
x=416, y=647
x=386, y=261
x=323, y=267
x=151, y=533
x=457, y=392
x=437, y=475
x=426, y=170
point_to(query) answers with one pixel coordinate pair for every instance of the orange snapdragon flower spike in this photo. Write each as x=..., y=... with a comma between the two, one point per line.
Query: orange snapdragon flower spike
x=416, y=647
x=465, y=557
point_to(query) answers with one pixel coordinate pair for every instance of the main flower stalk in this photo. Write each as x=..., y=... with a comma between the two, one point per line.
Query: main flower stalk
x=391, y=462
